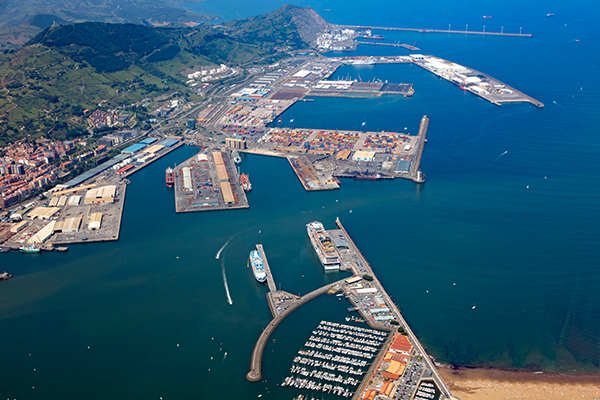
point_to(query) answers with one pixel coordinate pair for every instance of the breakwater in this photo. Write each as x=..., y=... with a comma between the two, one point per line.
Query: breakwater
x=465, y=32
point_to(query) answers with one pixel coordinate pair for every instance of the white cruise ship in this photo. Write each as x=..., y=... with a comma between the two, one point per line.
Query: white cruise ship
x=326, y=250
x=257, y=266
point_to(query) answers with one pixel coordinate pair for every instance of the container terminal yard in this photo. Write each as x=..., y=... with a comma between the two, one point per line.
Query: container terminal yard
x=320, y=157
x=386, y=360
x=208, y=182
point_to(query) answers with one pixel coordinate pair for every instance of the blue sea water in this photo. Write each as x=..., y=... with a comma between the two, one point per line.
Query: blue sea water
x=515, y=235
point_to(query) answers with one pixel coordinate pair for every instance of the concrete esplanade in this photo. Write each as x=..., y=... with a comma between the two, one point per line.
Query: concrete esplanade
x=255, y=363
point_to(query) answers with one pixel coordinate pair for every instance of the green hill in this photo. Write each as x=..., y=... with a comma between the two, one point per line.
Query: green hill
x=287, y=26
x=20, y=20
x=46, y=85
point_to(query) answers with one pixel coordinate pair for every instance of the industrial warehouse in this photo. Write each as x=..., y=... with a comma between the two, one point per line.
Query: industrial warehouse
x=65, y=219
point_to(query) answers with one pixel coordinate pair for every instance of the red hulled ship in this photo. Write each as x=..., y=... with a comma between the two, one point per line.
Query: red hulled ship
x=245, y=181
x=169, y=177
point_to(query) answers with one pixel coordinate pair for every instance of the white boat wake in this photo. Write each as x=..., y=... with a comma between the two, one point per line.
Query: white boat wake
x=497, y=158
x=225, y=282
x=223, y=248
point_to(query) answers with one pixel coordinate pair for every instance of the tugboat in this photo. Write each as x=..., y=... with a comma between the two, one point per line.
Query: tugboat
x=5, y=275
x=169, y=177
x=236, y=158
x=245, y=181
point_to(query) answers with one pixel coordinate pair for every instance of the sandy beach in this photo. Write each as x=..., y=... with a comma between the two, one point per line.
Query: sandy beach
x=490, y=384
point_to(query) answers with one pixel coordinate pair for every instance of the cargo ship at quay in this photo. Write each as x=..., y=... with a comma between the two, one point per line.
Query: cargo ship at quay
x=169, y=177
x=324, y=246
x=245, y=181
x=257, y=266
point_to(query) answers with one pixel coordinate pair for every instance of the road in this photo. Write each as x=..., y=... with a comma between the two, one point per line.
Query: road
x=439, y=381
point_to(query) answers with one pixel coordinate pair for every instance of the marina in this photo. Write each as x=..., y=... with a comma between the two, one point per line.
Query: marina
x=336, y=356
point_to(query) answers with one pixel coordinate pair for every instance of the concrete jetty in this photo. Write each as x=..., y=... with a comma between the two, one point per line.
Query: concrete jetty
x=366, y=268
x=270, y=280
x=415, y=168
x=405, y=46
x=256, y=360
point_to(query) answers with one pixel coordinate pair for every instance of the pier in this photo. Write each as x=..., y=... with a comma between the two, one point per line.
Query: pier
x=311, y=180
x=208, y=181
x=415, y=168
x=270, y=280
x=406, y=46
x=163, y=152
x=476, y=82
x=352, y=258
x=465, y=32
x=363, y=268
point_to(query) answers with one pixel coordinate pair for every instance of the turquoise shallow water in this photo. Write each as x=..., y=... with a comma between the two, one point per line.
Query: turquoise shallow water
x=472, y=235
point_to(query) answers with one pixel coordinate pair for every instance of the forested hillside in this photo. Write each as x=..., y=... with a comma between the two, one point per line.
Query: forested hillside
x=65, y=69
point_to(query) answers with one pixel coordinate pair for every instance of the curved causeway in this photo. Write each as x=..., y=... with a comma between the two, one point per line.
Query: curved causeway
x=255, y=363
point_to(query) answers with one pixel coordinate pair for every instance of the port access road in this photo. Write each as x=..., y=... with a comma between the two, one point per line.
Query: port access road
x=437, y=378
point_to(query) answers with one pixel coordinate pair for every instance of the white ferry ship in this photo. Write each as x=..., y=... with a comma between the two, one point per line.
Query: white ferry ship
x=326, y=250
x=257, y=266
